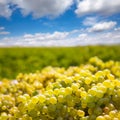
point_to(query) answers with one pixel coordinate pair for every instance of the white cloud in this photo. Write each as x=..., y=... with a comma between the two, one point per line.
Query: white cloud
x=89, y=21
x=102, y=26
x=5, y=11
x=72, y=38
x=38, y=8
x=104, y=7
x=3, y=32
x=117, y=29
x=45, y=36
x=2, y=28
x=54, y=8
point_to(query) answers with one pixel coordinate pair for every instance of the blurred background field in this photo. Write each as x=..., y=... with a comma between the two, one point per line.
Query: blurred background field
x=16, y=60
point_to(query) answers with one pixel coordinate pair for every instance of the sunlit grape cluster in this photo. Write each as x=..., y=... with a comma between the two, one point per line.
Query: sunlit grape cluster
x=85, y=92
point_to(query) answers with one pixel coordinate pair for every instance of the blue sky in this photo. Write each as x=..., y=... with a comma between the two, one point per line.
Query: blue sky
x=59, y=22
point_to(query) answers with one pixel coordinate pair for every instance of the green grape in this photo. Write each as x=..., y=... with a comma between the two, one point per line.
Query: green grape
x=68, y=91
x=75, y=86
x=56, y=91
x=61, y=98
x=99, y=94
x=35, y=99
x=107, y=117
x=80, y=113
x=53, y=100
x=21, y=98
x=4, y=116
x=88, y=80
x=4, y=107
x=112, y=113
x=92, y=117
x=60, y=118
x=98, y=111
x=100, y=118
x=85, y=92
x=42, y=98
x=45, y=109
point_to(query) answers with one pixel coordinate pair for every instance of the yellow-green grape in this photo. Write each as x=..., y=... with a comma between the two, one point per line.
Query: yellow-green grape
x=84, y=105
x=42, y=98
x=21, y=98
x=100, y=118
x=38, y=85
x=27, y=96
x=107, y=117
x=99, y=74
x=30, y=105
x=80, y=113
x=13, y=110
x=110, y=77
x=60, y=118
x=3, y=116
x=53, y=100
x=68, y=80
x=113, y=113
x=75, y=86
x=90, y=111
x=92, y=91
x=102, y=88
x=88, y=80
x=45, y=109
x=85, y=92
x=61, y=98
x=4, y=107
x=68, y=90
x=35, y=99
x=99, y=94
x=62, y=91
x=56, y=91
x=98, y=110
x=78, y=93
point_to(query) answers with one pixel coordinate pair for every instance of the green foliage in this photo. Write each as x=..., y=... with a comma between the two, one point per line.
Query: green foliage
x=25, y=60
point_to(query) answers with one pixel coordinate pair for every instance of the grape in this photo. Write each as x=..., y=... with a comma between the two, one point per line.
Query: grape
x=85, y=92
x=88, y=80
x=21, y=98
x=107, y=117
x=53, y=100
x=35, y=99
x=3, y=116
x=60, y=98
x=68, y=91
x=42, y=98
x=75, y=86
x=80, y=113
x=100, y=118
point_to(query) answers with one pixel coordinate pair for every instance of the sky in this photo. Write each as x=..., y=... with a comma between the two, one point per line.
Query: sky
x=59, y=22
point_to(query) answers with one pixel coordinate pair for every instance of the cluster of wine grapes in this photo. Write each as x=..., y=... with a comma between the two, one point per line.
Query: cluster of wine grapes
x=86, y=92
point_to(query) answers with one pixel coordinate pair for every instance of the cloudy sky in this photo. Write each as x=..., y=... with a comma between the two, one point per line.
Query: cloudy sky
x=59, y=22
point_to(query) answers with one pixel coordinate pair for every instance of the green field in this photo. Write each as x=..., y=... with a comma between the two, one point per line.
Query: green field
x=25, y=60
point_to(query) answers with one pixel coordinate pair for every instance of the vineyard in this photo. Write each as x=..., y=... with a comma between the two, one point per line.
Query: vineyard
x=87, y=92
x=26, y=60
x=74, y=83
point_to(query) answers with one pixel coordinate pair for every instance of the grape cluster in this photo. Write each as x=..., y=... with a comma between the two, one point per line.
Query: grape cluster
x=85, y=92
